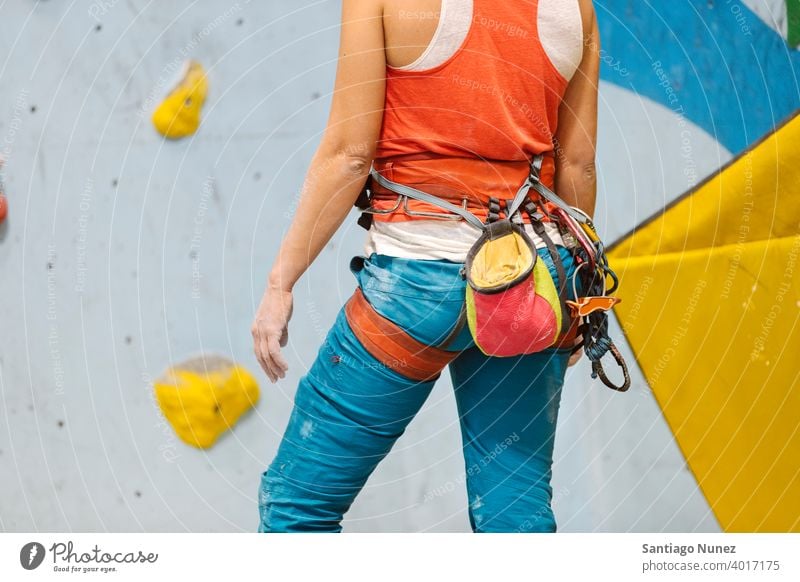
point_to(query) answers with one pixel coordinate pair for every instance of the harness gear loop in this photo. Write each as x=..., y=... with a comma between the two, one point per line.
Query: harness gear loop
x=409, y=192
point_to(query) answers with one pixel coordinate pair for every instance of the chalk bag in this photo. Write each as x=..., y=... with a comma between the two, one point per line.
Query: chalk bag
x=513, y=306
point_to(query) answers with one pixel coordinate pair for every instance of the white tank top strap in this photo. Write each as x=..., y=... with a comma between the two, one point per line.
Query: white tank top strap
x=455, y=18
x=558, y=23
x=560, y=28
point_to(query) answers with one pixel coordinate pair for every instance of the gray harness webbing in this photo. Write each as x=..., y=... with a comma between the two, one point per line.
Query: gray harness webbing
x=532, y=181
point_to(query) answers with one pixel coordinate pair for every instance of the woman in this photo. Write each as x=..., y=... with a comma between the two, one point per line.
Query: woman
x=454, y=97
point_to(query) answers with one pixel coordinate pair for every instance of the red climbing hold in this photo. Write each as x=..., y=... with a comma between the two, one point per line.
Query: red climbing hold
x=3, y=199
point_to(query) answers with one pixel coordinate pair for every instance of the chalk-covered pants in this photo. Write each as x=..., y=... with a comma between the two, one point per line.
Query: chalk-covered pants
x=350, y=409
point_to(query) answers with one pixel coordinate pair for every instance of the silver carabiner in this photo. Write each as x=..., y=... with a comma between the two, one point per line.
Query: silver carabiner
x=436, y=215
x=371, y=210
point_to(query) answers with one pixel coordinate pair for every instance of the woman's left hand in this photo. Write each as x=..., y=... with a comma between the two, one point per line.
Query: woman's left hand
x=270, y=331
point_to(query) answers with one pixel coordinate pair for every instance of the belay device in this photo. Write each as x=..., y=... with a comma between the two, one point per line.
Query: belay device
x=513, y=306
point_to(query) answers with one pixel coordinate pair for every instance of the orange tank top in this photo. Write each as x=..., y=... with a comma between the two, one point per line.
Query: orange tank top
x=467, y=128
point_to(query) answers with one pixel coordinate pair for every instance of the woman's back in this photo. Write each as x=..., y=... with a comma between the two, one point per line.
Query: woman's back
x=477, y=78
x=473, y=89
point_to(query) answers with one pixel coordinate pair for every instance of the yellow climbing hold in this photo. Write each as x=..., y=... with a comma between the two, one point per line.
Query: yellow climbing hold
x=204, y=397
x=179, y=114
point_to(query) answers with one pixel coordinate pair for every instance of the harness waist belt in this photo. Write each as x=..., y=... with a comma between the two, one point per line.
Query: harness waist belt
x=446, y=178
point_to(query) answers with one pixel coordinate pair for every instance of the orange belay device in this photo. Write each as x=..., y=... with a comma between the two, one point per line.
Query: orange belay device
x=513, y=305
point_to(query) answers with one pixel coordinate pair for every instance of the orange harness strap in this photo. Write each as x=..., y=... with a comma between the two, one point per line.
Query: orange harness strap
x=392, y=346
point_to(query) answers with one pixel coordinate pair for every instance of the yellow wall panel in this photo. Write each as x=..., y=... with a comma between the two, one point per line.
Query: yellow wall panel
x=755, y=197
x=711, y=308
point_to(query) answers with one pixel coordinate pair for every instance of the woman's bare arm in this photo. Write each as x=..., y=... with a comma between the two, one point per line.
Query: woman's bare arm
x=337, y=173
x=576, y=136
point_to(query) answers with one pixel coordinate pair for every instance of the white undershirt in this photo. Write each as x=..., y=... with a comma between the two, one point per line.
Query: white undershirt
x=435, y=239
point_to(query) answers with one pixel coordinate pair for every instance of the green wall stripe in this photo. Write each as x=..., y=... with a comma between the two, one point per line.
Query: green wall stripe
x=793, y=19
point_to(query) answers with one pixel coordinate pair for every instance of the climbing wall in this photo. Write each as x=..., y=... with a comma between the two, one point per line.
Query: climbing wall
x=124, y=254
x=719, y=272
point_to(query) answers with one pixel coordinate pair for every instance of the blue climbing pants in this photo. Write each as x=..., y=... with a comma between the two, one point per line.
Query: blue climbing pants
x=350, y=409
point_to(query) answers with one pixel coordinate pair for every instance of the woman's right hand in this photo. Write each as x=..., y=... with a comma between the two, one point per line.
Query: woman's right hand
x=270, y=331
x=577, y=351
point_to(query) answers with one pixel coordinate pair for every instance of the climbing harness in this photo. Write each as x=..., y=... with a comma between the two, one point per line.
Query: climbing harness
x=513, y=305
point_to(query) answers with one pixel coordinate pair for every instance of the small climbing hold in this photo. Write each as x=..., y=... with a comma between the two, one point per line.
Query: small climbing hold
x=205, y=396
x=178, y=115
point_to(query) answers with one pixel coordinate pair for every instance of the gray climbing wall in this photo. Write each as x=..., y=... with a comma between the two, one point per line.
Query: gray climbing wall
x=123, y=254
